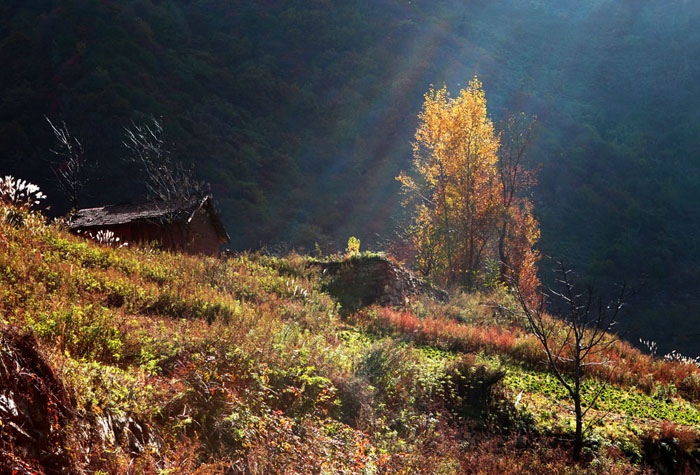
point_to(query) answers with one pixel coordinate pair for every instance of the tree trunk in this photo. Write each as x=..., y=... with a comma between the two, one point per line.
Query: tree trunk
x=502, y=252
x=578, y=439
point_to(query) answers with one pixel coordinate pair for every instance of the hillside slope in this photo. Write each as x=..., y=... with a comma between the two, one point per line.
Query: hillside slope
x=140, y=361
x=301, y=114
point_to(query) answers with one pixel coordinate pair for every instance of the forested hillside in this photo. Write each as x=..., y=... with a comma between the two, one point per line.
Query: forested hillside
x=301, y=113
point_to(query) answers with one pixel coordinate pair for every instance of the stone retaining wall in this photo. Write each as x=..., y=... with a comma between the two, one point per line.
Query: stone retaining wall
x=360, y=281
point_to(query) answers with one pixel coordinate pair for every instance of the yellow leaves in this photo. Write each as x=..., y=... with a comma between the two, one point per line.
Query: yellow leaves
x=455, y=191
x=454, y=131
x=455, y=157
x=456, y=146
x=406, y=181
x=353, y=246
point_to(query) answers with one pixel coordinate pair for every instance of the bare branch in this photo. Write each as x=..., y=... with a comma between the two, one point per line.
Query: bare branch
x=69, y=168
x=588, y=322
x=166, y=179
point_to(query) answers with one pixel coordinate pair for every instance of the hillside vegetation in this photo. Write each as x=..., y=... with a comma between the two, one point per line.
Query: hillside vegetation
x=126, y=360
x=295, y=110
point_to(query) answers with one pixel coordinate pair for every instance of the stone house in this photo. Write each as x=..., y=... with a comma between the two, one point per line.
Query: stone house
x=192, y=226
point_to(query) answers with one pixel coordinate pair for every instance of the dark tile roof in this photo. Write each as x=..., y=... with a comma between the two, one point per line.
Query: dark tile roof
x=179, y=210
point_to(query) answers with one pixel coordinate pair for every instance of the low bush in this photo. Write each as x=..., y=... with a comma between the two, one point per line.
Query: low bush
x=671, y=448
x=468, y=388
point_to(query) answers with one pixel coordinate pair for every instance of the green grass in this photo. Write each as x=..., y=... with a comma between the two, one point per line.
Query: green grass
x=246, y=361
x=624, y=402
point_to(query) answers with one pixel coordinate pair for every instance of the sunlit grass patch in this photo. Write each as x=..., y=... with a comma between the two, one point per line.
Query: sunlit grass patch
x=542, y=394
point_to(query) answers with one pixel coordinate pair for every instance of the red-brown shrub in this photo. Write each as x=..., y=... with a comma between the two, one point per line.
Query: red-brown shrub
x=630, y=367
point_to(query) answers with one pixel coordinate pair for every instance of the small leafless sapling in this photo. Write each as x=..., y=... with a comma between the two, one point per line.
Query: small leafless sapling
x=575, y=337
x=515, y=179
x=69, y=169
x=166, y=179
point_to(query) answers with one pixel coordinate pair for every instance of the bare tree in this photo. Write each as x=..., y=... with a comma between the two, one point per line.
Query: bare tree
x=576, y=339
x=517, y=132
x=167, y=179
x=70, y=167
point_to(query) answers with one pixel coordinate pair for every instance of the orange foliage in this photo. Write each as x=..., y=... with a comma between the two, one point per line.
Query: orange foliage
x=519, y=257
x=519, y=230
x=630, y=366
x=448, y=333
x=466, y=206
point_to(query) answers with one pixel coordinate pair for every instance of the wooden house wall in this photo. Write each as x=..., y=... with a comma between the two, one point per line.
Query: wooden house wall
x=202, y=235
x=199, y=236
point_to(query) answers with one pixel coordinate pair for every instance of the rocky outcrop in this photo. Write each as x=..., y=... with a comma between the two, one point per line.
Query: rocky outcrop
x=41, y=430
x=366, y=280
x=34, y=405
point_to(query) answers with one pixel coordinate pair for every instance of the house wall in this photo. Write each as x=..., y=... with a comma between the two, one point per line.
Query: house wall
x=202, y=235
x=197, y=237
x=168, y=235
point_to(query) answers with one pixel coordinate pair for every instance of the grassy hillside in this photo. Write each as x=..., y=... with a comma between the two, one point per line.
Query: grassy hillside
x=301, y=114
x=140, y=361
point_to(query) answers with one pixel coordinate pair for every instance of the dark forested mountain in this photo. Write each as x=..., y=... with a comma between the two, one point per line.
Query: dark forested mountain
x=301, y=113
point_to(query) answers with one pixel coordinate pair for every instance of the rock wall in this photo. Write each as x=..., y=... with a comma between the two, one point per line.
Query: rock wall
x=34, y=404
x=360, y=281
x=41, y=430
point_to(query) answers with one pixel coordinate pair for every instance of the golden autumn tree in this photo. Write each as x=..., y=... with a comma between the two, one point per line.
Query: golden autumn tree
x=466, y=214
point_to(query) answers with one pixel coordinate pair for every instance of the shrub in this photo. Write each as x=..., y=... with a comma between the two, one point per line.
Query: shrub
x=672, y=448
x=83, y=331
x=407, y=387
x=20, y=193
x=353, y=246
x=468, y=387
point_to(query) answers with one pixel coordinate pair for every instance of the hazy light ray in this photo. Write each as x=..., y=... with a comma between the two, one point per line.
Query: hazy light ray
x=437, y=58
x=376, y=112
